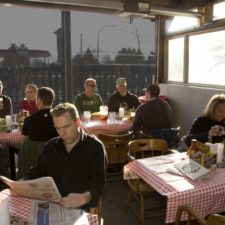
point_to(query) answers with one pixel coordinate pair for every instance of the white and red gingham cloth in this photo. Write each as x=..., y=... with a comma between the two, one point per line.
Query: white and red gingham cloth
x=20, y=209
x=12, y=139
x=100, y=126
x=205, y=196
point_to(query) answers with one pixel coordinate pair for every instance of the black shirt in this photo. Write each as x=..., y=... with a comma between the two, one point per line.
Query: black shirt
x=39, y=126
x=7, y=106
x=82, y=169
x=200, y=129
x=153, y=114
x=116, y=99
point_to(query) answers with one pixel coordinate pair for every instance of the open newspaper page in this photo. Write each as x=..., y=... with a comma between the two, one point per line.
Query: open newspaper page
x=47, y=213
x=43, y=188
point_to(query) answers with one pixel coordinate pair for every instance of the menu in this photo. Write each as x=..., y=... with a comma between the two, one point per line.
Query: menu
x=191, y=169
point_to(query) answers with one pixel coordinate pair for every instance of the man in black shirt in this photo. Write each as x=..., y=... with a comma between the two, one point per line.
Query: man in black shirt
x=5, y=103
x=122, y=98
x=154, y=114
x=39, y=126
x=76, y=161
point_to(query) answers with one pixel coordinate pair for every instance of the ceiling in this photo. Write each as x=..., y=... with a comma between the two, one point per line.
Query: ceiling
x=126, y=8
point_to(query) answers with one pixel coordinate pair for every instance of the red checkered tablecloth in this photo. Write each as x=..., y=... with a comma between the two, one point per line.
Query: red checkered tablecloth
x=20, y=209
x=97, y=126
x=13, y=139
x=205, y=196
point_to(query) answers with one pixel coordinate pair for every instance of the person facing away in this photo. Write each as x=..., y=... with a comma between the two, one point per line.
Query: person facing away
x=210, y=125
x=122, y=97
x=39, y=126
x=29, y=102
x=154, y=114
x=5, y=103
x=75, y=160
x=88, y=100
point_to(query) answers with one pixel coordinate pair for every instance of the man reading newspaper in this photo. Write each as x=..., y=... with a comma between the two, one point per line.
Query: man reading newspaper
x=75, y=160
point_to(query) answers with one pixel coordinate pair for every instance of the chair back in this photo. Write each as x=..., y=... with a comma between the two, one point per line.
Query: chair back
x=116, y=147
x=171, y=135
x=146, y=148
x=191, y=214
x=28, y=154
x=97, y=210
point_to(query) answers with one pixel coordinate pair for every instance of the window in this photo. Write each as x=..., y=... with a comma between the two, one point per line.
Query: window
x=218, y=11
x=206, y=58
x=176, y=59
x=179, y=23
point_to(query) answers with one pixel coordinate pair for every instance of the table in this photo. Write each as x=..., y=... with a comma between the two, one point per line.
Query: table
x=13, y=140
x=20, y=209
x=97, y=126
x=205, y=196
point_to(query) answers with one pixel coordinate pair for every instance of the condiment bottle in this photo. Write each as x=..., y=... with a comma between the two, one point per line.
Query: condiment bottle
x=193, y=147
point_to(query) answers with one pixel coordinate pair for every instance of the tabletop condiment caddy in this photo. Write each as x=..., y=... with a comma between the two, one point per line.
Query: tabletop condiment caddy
x=202, y=154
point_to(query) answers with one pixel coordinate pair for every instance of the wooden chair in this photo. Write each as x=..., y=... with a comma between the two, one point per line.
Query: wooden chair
x=116, y=148
x=139, y=190
x=98, y=211
x=214, y=219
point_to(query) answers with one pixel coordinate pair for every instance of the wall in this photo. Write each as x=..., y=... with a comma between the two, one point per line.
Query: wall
x=187, y=103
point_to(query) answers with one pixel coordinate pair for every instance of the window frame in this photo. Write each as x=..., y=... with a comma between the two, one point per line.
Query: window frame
x=213, y=27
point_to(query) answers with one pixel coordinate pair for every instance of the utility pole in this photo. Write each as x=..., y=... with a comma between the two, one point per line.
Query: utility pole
x=98, y=37
x=81, y=45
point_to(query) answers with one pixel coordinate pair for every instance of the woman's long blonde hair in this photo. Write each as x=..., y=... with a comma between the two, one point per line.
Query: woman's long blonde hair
x=213, y=103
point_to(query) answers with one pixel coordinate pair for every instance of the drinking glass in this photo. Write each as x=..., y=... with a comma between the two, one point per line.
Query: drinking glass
x=112, y=116
x=87, y=116
x=1, y=103
x=14, y=121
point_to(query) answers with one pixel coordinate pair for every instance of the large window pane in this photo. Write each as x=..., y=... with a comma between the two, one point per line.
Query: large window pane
x=106, y=47
x=218, y=11
x=206, y=58
x=175, y=59
x=28, y=51
x=180, y=23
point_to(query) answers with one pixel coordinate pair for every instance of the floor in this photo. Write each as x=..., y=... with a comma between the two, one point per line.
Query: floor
x=114, y=203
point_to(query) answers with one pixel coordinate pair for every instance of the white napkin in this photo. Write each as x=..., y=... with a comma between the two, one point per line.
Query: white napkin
x=4, y=212
x=220, y=154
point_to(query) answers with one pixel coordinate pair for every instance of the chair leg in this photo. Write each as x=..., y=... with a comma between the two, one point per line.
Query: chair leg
x=129, y=197
x=142, y=208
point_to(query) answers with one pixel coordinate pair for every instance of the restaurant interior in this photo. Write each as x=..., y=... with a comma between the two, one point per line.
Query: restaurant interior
x=189, y=71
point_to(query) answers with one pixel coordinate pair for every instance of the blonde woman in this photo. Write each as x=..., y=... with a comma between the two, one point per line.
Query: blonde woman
x=211, y=125
x=29, y=102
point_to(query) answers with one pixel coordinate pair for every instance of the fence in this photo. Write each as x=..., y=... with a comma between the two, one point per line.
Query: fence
x=15, y=80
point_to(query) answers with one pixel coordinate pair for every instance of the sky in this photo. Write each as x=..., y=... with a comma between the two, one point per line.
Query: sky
x=35, y=28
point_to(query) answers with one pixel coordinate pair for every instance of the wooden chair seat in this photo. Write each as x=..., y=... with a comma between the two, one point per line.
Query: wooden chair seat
x=139, y=186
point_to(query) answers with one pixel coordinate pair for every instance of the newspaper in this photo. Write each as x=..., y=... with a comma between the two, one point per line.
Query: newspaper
x=43, y=188
x=47, y=213
x=191, y=169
